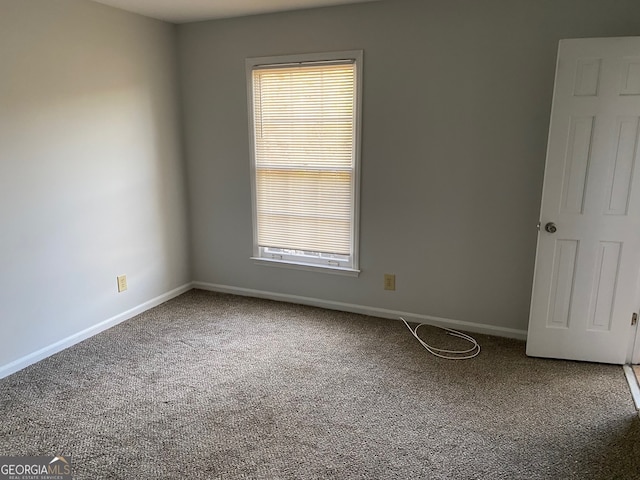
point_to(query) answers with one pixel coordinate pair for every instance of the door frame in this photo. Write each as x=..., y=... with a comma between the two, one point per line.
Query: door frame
x=633, y=356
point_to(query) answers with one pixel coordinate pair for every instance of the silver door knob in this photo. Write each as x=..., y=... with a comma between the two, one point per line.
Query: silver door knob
x=551, y=227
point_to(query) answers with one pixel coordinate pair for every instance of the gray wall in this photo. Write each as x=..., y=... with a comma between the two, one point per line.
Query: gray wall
x=91, y=173
x=457, y=96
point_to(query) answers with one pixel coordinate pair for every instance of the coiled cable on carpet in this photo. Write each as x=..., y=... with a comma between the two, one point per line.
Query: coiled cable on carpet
x=443, y=353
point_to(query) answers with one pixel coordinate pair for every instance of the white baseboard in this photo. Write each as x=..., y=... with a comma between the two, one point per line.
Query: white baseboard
x=633, y=385
x=49, y=350
x=372, y=311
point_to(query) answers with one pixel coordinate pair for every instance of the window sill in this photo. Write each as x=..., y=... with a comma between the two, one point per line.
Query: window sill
x=309, y=267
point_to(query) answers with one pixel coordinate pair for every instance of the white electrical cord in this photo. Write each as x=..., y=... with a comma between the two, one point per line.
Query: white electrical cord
x=454, y=354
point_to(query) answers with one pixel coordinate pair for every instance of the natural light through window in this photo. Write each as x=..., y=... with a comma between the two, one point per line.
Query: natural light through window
x=304, y=117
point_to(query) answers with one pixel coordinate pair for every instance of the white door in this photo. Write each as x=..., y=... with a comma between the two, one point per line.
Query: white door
x=585, y=287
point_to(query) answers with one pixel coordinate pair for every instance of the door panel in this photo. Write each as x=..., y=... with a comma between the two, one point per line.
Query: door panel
x=562, y=282
x=576, y=164
x=586, y=278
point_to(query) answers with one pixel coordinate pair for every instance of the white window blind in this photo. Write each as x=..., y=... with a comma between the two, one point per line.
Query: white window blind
x=304, y=125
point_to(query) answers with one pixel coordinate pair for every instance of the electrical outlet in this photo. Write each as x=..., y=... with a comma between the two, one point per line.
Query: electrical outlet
x=122, y=283
x=389, y=281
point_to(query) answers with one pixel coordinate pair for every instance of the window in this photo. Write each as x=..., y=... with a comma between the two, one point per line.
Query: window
x=304, y=114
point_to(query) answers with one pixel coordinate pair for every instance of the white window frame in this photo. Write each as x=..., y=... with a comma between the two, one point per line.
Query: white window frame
x=301, y=261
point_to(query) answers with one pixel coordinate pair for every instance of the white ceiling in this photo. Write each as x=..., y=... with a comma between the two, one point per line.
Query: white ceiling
x=181, y=11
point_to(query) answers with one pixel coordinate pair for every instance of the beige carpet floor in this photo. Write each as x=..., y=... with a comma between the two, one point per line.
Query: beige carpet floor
x=212, y=386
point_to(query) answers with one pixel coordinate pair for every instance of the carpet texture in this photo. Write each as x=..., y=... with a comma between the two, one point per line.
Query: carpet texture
x=210, y=386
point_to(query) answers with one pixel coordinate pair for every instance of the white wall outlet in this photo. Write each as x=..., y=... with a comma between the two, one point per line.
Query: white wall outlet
x=122, y=283
x=389, y=281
